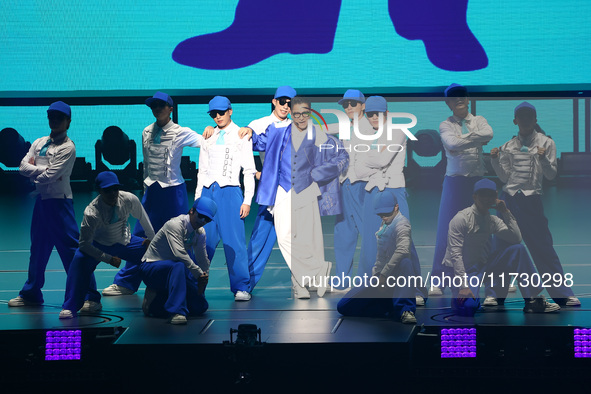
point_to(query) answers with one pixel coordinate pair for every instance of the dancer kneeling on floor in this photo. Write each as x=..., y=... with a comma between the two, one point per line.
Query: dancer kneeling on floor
x=175, y=267
x=392, y=266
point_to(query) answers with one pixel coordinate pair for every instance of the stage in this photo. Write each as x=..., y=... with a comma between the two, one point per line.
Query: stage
x=302, y=340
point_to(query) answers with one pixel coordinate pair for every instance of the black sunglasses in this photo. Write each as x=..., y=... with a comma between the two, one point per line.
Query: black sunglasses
x=214, y=113
x=206, y=219
x=284, y=100
x=352, y=103
x=373, y=113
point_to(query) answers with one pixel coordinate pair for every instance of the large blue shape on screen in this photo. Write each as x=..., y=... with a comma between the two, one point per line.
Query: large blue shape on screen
x=263, y=28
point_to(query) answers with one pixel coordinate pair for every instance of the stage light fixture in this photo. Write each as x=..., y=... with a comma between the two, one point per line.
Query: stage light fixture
x=582, y=341
x=63, y=345
x=458, y=342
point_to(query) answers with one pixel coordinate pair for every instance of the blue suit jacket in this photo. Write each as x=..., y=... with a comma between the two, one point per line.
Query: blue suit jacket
x=310, y=165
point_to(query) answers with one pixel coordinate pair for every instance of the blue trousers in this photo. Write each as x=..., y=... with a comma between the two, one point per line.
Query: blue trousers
x=53, y=224
x=348, y=226
x=529, y=213
x=176, y=288
x=81, y=284
x=358, y=218
x=162, y=204
x=380, y=302
x=513, y=258
x=261, y=244
x=228, y=227
x=456, y=195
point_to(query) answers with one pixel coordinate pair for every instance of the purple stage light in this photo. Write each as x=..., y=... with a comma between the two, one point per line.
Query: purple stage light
x=458, y=343
x=63, y=345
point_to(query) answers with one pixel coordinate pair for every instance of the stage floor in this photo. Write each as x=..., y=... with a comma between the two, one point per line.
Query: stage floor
x=282, y=318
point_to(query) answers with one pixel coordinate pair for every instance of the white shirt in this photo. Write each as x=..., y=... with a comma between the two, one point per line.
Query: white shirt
x=464, y=151
x=51, y=173
x=525, y=170
x=173, y=241
x=383, y=164
x=469, y=237
x=97, y=226
x=173, y=138
x=222, y=163
x=355, y=148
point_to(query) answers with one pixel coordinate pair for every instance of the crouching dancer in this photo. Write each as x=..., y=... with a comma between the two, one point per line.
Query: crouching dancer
x=104, y=236
x=469, y=253
x=392, y=294
x=175, y=267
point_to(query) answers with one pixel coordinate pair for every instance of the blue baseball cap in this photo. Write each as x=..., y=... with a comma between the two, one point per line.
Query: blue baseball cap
x=353, y=94
x=384, y=202
x=160, y=96
x=376, y=104
x=62, y=107
x=485, y=184
x=107, y=179
x=219, y=103
x=285, y=91
x=206, y=206
x=524, y=105
x=456, y=90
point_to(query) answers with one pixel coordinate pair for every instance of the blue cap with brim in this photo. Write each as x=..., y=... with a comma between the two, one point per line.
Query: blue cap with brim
x=62, y=107
x=376, y=104
x=485, y=184
x=206, y=206
x=384, y=202
x=352, y=94
x=456, y=90
x=285, y=91
x=219, y=103
x=107, y=179
x=161, y=97
x=525, y=105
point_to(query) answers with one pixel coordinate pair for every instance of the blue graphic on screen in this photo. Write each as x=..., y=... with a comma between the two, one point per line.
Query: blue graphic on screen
x=59, y=45
x=260, y=27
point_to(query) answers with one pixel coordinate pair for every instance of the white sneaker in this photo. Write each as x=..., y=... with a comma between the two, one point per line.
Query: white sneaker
x=66, y=314
x=540, y=305
x=20, y=301
x=408, y=318
x=490, y=301
x=420, y=300
x=115, y=290
x=90, y=307
x=573, y=301
x=435, y=291
x=178, y=319
x=512, y=289
x=242, y=296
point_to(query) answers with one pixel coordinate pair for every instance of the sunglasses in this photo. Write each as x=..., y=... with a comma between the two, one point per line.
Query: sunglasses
x=214, y=113
x=284, y=100
x=56, y=116
x=204, y=218
x=373, y=113
x=352, y=103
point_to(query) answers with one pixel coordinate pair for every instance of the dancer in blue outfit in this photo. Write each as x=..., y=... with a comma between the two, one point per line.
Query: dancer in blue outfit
x=463, y=135
x=392, y=266
x=522, y=163
x=175, y=267
x=48, y=164
x=104, y=237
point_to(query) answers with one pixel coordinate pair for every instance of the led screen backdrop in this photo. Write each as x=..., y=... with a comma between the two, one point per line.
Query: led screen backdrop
x=55, y=45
